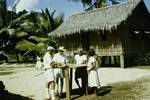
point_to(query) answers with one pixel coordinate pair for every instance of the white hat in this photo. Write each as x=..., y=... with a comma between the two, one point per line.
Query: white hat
x=50, y=48
x=61, y=49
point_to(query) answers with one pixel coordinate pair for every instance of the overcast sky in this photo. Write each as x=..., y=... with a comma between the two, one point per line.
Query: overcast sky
x=67, y=7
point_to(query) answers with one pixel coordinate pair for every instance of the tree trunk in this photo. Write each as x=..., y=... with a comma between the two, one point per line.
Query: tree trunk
x=17, y=56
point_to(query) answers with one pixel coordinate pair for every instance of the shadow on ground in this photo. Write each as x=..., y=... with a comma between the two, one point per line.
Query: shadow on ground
x=103, y=90
x=5, y=95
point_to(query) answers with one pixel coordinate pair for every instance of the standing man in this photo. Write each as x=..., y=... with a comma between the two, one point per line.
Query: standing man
x=61, y=59
x=49, y=73
x=81, y=72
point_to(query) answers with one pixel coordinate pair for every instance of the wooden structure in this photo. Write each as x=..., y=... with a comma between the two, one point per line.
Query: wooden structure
x=68, y=78
x=116, y=30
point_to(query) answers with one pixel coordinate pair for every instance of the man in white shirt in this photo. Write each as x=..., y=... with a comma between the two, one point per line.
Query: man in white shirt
x=81, y=72
x=61, y=59
x=49, y=73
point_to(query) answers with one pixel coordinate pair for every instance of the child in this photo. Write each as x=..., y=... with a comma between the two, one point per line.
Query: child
x=38, y=63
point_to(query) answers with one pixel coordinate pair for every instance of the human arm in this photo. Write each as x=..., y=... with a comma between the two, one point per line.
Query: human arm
x=91, y=64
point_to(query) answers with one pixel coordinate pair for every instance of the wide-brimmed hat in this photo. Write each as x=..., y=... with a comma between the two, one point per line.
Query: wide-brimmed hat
x=49, y=48
x=61, y=49
x=80, y=49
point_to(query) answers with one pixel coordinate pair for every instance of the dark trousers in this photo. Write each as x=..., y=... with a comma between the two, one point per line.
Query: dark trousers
x=81, y=72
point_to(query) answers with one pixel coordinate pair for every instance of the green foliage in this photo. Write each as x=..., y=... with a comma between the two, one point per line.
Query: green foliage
x=25, y=32
x=25, y=45
x=91, y=3
x=28, y=32
x=38, y=39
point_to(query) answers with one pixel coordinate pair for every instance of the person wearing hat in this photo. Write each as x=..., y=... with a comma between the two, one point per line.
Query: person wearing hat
x=49, y=73
x=81, y=72
x=60, y=58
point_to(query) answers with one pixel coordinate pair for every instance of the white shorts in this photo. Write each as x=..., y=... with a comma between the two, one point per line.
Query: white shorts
x=58, y=73
x=49, y=75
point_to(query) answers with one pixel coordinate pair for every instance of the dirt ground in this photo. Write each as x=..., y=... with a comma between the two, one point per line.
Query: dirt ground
x=24, y=80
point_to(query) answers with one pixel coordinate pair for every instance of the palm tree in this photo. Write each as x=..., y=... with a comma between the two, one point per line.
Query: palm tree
x=29, y=31
x=88, y=4
x=3, y=13
x=39, y=25
x=96, y=3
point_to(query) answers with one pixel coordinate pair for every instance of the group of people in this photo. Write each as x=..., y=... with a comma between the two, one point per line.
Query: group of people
x=56, y=75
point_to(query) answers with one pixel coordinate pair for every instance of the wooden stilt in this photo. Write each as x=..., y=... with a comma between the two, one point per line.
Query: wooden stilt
x=122, y=64
x=68, y=97
x=112, y=59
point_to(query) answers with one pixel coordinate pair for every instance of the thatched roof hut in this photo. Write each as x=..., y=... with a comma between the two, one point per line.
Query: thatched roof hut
x=106, y=29
x=106, y=18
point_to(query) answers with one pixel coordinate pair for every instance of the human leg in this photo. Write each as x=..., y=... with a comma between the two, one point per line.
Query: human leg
x=61, y=85
x=77, y=82
x=95, y=90
x=57, y=85
x=77, y=76
x=84, y=78
x=52, y=90
x=47, y=90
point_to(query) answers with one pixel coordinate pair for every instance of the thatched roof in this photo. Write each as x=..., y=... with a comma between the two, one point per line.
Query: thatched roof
x=106, y=18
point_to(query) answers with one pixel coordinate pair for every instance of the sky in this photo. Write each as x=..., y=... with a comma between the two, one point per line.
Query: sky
x=66, y=7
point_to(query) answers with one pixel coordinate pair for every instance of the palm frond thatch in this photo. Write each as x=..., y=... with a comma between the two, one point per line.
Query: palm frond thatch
x=106, y=18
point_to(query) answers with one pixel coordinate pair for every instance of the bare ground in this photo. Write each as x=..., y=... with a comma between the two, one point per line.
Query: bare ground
x=126, y=84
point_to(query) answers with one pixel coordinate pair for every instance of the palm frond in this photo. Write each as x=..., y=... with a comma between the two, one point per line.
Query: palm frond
x=7, y=30
x=21, y=34
x=17, y=20
x=25, y=45
x=38, y=39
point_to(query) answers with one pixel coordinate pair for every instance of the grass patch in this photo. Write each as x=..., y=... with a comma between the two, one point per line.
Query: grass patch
x=141, y=67
x=6, y=73
x=130, y=90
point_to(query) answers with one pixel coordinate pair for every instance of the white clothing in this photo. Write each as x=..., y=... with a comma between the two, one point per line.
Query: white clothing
x=93, y=75
x=38, y=64
x=80, y=59
x=60, y=59
x=49, y=73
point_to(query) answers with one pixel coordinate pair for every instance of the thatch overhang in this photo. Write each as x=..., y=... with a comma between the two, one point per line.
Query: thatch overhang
x=106, y=18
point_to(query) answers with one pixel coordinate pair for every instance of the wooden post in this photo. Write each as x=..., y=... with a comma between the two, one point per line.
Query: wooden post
x=122, y=61
x=112, y=59
x=68, y=97
x=71, y=79
x=86, y=87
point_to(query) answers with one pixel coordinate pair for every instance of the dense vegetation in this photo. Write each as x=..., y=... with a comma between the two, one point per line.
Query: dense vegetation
x=26, y=33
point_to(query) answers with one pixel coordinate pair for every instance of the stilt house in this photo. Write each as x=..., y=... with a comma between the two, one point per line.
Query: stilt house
x=117, y=30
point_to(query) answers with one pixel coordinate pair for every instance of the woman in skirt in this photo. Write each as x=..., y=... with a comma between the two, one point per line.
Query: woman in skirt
x=93, y=80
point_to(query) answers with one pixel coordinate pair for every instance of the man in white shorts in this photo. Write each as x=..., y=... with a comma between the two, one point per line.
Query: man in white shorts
x=61, y=59
x=49, y=73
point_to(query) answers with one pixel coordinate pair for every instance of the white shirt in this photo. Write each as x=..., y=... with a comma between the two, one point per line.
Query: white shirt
x=90, y=61
x=79, y=59
x=47, y=59
x=60, y=58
